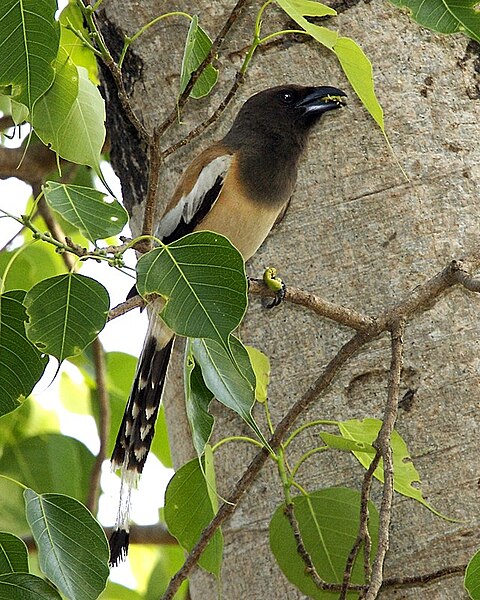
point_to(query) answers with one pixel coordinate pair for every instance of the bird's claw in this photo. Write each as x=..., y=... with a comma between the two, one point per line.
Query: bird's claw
x=275, y=284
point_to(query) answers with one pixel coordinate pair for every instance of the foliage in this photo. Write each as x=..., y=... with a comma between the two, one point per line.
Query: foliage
x=48, y=77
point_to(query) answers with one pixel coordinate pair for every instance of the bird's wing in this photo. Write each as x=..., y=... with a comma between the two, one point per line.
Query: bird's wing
x=196, y=193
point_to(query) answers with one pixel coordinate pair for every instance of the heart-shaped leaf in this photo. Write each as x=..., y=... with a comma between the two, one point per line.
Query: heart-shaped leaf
x=72, y=548
x=202, y=278
x=445, y=16
x=188, y=489
x=404, y=473
x=328, y=521
x=96, y=215
x=66, y=313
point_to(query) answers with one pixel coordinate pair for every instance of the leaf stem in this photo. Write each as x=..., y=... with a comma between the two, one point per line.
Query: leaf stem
x=306, y=426
x=237, y=438
x=129, y=40
x=15, y=481
x=306, y=456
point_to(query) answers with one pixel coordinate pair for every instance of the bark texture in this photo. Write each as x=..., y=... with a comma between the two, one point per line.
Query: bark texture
x=358, y=234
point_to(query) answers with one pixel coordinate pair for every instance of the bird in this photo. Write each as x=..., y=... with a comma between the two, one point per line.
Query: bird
x=237, y=187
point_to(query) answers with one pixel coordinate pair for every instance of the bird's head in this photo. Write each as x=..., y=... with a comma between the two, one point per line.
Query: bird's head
x=291, y=109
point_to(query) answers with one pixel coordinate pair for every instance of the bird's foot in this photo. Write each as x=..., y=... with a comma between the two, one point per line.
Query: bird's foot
x=275, y=284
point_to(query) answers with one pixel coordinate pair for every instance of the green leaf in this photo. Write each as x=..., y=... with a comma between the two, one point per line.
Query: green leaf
x=171, y=558
x=472, y=577
x=308, y=8
x=86, y=208
x=53, y=108
x=28, y=46
x=325, y=36
x=229, y=375
x=404, y=472
x=210, y=477
x=197, y=46
x=72, y=548
x=13, y=554
x=359, y=72
x=115, y=591
x=42, y=462
x=445, y=16
x=261, y=367
x=355, y=64
x=18, y=112
x=328, y=521
x=73, y=45
x=23, y=586
x=74, y=126
x=188, y=510
x=34, y=263
x=21, y=364
x=66, y=313
x=340, y=443
x=197, y=401
x=202, y=278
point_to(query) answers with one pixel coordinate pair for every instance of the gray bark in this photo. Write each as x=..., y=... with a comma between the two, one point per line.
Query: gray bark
x=358, y=234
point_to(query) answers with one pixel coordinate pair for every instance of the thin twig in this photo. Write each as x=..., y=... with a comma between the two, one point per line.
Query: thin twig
x=310, y=569
x=239, y=78
x=103, y=424
x=424, y=579
x=363, y=533
x=383, y=446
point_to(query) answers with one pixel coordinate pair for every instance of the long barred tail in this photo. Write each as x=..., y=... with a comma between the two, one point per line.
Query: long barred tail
x=138, y=425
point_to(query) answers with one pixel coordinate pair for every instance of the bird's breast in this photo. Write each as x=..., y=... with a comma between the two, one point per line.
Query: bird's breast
x=244, y=220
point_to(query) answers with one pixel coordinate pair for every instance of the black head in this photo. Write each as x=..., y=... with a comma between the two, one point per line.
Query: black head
x=288, y=109
x=270, y=134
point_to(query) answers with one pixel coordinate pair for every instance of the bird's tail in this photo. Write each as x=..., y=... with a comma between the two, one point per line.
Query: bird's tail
x=138, y=424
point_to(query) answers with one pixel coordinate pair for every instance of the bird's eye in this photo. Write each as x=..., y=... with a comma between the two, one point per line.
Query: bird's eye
x=287, y=97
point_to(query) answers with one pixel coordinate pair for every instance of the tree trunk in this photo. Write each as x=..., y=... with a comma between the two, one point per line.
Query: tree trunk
x=358, y=234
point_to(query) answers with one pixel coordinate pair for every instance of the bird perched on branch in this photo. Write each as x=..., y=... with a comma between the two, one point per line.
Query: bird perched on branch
x=237, y=187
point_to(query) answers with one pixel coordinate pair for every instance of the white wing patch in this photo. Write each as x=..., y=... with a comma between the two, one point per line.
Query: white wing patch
x=188, y=205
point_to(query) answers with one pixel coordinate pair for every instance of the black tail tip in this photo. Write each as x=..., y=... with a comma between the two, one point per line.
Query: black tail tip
x=118, y=543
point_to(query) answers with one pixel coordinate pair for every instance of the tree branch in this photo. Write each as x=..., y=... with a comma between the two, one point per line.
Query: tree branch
x=424, y=579
x=37, y=163
x=239, y=78
x=384, y=449
x=320, y=306
x=139, y=534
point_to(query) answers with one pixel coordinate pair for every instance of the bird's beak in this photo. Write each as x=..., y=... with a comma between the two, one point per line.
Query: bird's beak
x=322, y=99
